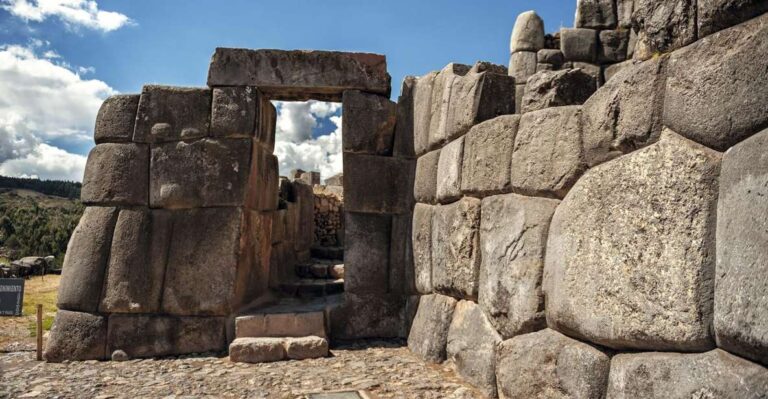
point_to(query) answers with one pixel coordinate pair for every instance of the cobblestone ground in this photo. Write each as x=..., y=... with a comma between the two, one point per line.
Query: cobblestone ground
x=385, y=369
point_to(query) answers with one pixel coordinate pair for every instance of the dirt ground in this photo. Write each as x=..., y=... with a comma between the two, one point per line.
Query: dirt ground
x=18, y=333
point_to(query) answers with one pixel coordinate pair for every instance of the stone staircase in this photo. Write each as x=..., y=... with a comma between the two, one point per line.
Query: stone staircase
x=297, y=326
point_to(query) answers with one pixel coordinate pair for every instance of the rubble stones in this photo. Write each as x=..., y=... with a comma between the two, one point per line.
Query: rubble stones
x=429, y=331
x=522, y=65
x=116, y=119
x=172, y=113
x=636, y=235
x=151, y=336
x=366, y=253
x=471, y=345
x=741, y=321
x=557, y=88
x=455, y=248
x=233, y=111
x=663, y=26
x=422, y=247
x=86, y=260
x=116, y=174
x=76, y=336
x=613, y=45
x=549, y=364
x=703, y=99
x=578, y=44
x=528, y=33
x=300, y=75
x=120, y=356
x=625, y=114
x=595, y=14
x=487, y=151
x=368, y=123
x=714, y=374
x=547, y=158
x=425, y=185
x=513, y=238
x=389, y=192
x=449, y=171
x=714, y=15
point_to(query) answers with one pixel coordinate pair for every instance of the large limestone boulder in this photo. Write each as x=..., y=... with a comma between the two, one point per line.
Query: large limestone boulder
x=548, y=157
x=172, y=113
x=547, y=364
x=595, y=14
x=455, y=248
x=116, y=119
x=383, y=184
x=76, y=336
x=368, y=123
x=513, y=236
x=422, y=247
x=366, y=252
x=300, y=75
x=625, y=114
x=663, y=26
x=429, y=331
x=471, y=345
x=487, y=152
x=714, y=374
x=425, y=183
x=449, y=171
x=116, y=174
x=714, y=15
x=557, y=88
x=630, y=260
x=86, y=259
x=233, y=111
x=151, y=336
x=422, y=112
x=528, y=33
x=703, y=99
x=741, y=306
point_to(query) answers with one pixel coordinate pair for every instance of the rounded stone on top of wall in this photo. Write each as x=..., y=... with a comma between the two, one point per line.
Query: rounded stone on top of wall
x=741, y=305
x=714, y=374
x=663, y=26
x=116, y=119
x=716, y=90
x=595, y=14
x=528, y=33
x=630, y=253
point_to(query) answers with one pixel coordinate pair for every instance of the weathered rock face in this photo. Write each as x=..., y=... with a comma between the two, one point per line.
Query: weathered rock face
x=741, y=321
x=613, y=45
x=369, y=124
x=401, y=278
x=595, y=14
x=266, y=123
x=630, y=256
x=76, y=336
x=487, y=152
x=116, y=174
x=116, y=119
x=625, y=114
x=425, y=184
x=233, y=111
x=422, y=247
x=449, y=171
x=471, y=345
x=422, y=112
x=522, y=65
x=366, y=253
x=300, y=75
x=172, y=113
x=150, y=336
x=557, y=88
x=513, y=237
x=714, y=374
x=547, y=364
x=663, y=26
x=714, y=15
x=553, y=57
x=455, y=251
x=441, y=100
x=704, y=102
x=202, y=173
x=429, y=332
x=578, y=44
x=548, y=158
x=86, y=260
x=528, y=33
x=389, y=192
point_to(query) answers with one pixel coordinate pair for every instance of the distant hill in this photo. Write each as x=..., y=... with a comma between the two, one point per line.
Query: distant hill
x=37, y=217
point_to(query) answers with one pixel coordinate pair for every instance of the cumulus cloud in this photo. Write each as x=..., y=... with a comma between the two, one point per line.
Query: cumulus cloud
x=44, y=101
x=297, y=149
x=74, y=13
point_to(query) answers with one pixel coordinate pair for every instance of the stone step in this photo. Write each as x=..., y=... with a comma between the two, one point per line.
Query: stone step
x=297, y=323
x=321, y=270
x=313, y=288
x=272, y=349
x=332, y=253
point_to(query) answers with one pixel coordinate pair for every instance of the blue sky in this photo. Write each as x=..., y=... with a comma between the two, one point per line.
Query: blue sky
x=118, y=45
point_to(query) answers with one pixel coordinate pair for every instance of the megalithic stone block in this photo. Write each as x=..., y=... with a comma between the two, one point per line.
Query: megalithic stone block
x=263, y=181
x=456, y=248
x=612, y=45
x=368, y=316
x=449, y=171
x=86, y=259
x=151, y=336
x=116, y=174
x=663, y=26
x=76, y=336
x=266, y=123
x=557, y=88
x=578, y=44
x=595, y=14
x=553, y=57
x=429, y=332
x=715, y=15
x=367, y=253
x=300, y=75
x=528, y=33
x=368, y=123
x=422, y=112
x=422, y=247
x=305, y=220
x=522, y=65
x=425, y=182
x=401, y=269
x=172, y=113
x=233, y=111
x=382, y=184
x=404, y=138
x=116, y=119
x=440, y=102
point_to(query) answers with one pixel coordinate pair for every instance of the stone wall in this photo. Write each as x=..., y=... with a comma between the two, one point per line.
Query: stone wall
x=329, y=216
x=602, y=242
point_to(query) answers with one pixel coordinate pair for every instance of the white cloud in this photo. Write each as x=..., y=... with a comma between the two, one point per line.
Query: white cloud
x=74, y=13
x=41, y=102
